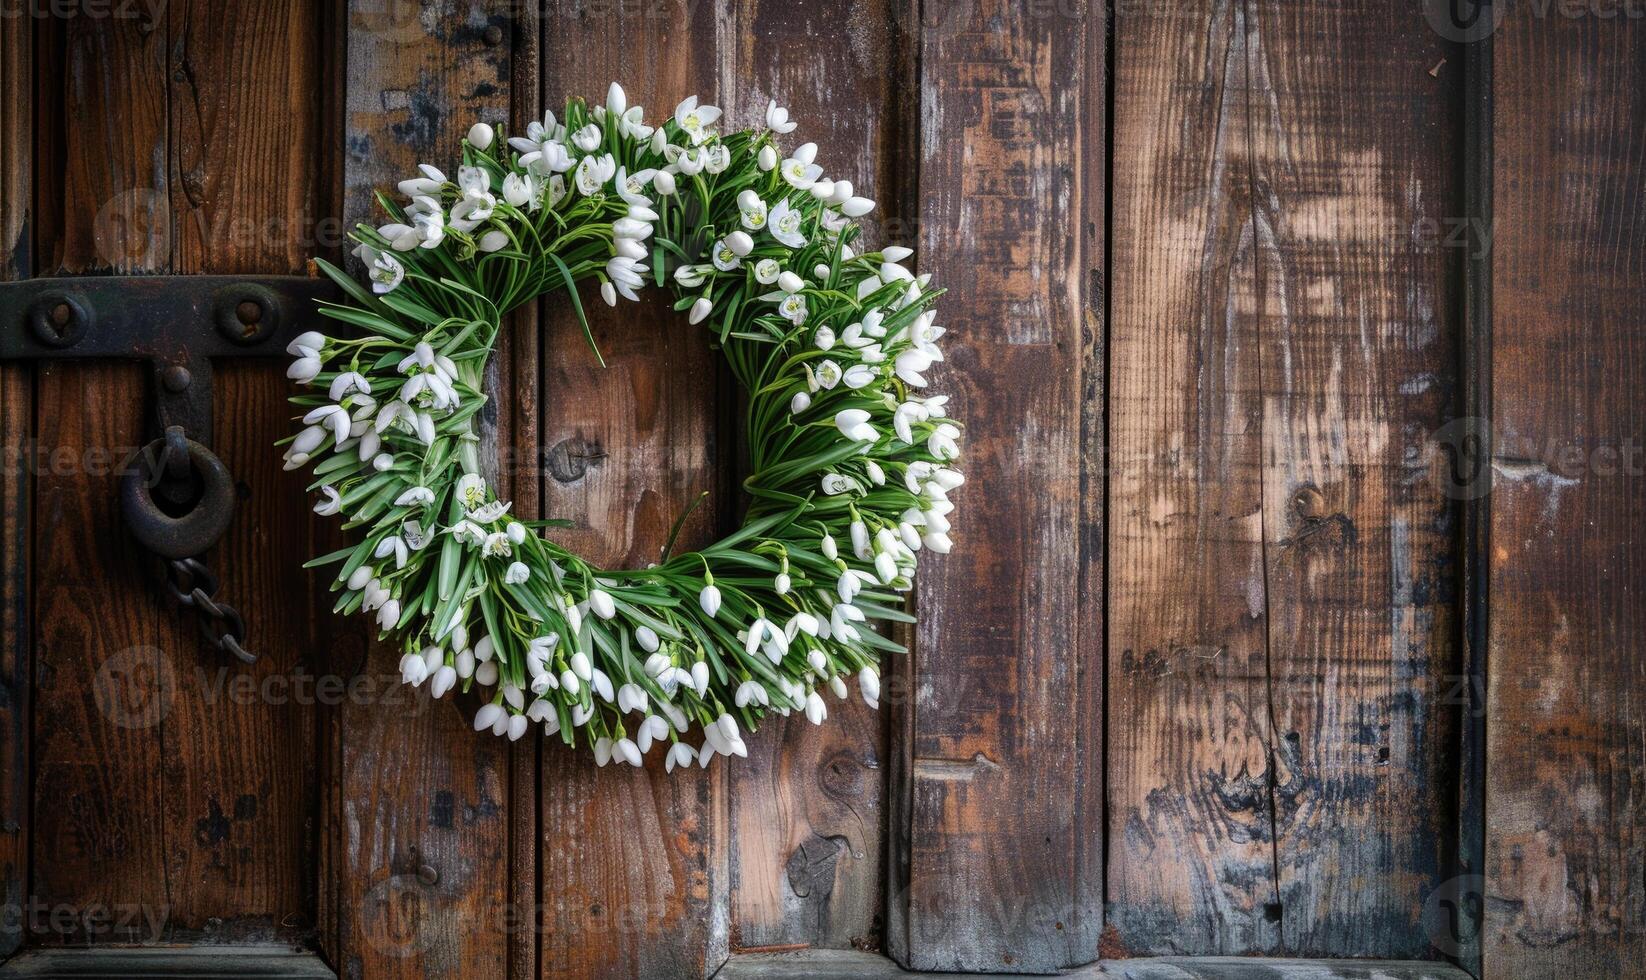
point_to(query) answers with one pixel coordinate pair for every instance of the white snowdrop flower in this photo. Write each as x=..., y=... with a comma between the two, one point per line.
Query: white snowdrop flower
x=588, y=138
x=838, y=686
x=626, y=750
x=767, y=159
x=949, y=479
x=910, y=536
x=382, y=462
x=412, y=669
x=903, y=422
x=755, y=634
x=471, y=491
x=723, y=257
x=493, y=241
x=602, y=751
x=601, y=602
x=800, y=622
x=430, y=225
x=860, y=540
x=860, y=376
x=824, y=338
x=382, y=268
x=766, y=271
x=868, y=682
x=517, y=574
x=401, y=237
x=709, y=600
x=332, y=417
x=877, y=476
x=330, y=502
x=569, y=682
x=790, y=283
x=716, y=159
x=885, y=565
x=700, y=310
x=942, y=442
x=519, y=189
x=909, y=365
x=616, y=99
x=700, y=677
x=663, y=183
x=800, y=402
x=853, y=423
x=937, y=542
x=444, y=680
x=827, y=374
x=656, y=664
x=816, y=710
x=631, y=697
x=485, y=649
x=608, y=294
x=740, y=243
x=360, y=576
x=793, y=308
x=691, y=276
x=824, y=189
x=626, y=276
x=777, y=118
x=392, y=545
x=799, y=170
x=580, y=665
x=835, y=484
x=680, y=754
x=307, y=344
x=781, y=583
x=517, y=727
x=694, y=120
x=647, y=638
x=752, y=210
x=465, y=664
x=496, y=545
x=848, y=586
x=487, y=716
x=785, y=225
x=818, y=663
x=593, y=173
x=820, y=270
x=415, y=497
x=602, y=684
x=857, y=207
x=481, y=136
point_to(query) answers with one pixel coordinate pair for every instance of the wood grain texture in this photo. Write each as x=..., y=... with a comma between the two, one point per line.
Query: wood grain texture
x=826, y=964
x=1566, y=776
x=16, y=435
x=108, y=652
x=1281, y=566
x=806, y=814
x=238, y=778
x=633, y=860
x=418, y=791
x=998, y=765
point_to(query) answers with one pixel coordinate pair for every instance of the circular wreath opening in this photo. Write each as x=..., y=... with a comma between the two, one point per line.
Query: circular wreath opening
x=851, y=463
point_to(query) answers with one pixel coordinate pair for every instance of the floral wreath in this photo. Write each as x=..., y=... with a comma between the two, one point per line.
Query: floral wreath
x=850, y=469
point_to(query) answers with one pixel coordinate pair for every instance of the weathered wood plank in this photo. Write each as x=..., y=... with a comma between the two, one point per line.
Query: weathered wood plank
x=16, y=469
x=826, y=964
x=419, y=791
x=107, y=650
x=1566, y=777
x=1191, y=859
x=633, y=859
x=192, y=962
x=1281, y=582
x=806, y=805
x=1354, y=320
x=997, y=839
x=246, y=138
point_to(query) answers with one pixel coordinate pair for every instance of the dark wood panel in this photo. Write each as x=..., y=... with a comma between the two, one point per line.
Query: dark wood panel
x=1282, y=566
x=843, y=965
x=1566, y=769
x=998, y=851
x=1191, y=858
x=633, y=860
x=1355, y=204
x=16, y=434
x=806, y=816
x=108, y=651
x=418, y=790
x=246, y=141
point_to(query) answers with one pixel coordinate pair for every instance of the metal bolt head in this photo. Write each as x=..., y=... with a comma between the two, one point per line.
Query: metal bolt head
x=59, y=320
x=176, y=378
x=427, y=874
x=246, y=313
x=249, y=312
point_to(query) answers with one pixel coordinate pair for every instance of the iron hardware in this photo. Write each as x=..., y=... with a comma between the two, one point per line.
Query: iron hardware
x=176, y=495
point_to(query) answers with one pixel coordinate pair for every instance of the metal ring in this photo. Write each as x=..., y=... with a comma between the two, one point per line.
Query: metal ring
x=193, y=533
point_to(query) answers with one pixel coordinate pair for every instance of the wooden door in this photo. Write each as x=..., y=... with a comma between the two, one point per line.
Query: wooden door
x=1230, y=662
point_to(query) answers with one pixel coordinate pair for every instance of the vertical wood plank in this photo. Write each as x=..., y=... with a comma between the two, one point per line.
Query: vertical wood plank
x=1353, y=218
x=806, y=814
x=1565, y=846
x=419, y=792
x=16, y=435
x=1282, y=566
x=999, y=760
x=239, y=768
x=109, y=654
x=632, y=859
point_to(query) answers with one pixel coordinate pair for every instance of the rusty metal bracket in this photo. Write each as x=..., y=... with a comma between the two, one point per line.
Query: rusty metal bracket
x=177, y=497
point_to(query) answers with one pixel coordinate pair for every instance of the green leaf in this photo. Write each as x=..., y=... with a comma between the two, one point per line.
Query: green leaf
x=577, y=304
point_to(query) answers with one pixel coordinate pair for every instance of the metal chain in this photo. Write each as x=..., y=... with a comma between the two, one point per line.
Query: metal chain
x=194, y=587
